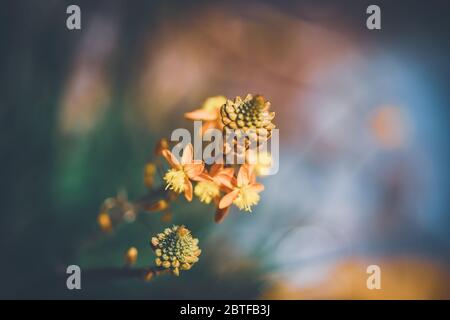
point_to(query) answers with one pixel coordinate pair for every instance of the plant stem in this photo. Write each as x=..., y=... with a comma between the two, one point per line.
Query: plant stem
x=109, y=273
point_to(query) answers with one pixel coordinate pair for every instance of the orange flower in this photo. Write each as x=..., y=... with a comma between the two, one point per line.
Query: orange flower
x=178, y=178
x=219, y=178
x=209, y=113
x=244, y=192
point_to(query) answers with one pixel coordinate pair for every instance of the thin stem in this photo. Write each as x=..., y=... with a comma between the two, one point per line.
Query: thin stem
x=111, y=273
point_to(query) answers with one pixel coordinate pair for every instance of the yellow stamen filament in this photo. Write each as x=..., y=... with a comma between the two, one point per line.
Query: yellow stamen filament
x=206, y=191
x=246, y=198
x=175, y=180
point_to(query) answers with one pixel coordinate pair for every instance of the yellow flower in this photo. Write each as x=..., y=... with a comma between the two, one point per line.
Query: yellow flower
x=175, y=179
x=246, y=198
x=206, y=191
x=178, y=178
x=131, y=256
x=217, y=179
x=245, y=192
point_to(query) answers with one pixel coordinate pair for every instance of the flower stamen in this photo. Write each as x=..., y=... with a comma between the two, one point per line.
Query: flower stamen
x=206, y=191
x=246, y=198
x=175, y=179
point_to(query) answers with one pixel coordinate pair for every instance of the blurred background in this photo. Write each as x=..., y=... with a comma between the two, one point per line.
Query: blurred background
x=364, y=132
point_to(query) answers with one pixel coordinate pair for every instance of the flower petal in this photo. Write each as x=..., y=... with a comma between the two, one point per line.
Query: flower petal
x=224, y=180
x=244, y=174
x=188, y=154
x=215, y=169
x=228, y=199
x=204, y=176
x=194, y=169
x=221, y=214
x=252, y=178
x=257, y=187
x=188, y=190
x=171, y=159
x=201, y=114
x=227, y=171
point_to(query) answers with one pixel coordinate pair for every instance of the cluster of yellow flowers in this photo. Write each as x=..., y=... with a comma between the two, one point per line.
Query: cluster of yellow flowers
x=243, y=190
x=222, y=185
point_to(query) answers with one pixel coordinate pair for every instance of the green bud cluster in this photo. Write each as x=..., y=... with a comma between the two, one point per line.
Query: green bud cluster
x=175, y=249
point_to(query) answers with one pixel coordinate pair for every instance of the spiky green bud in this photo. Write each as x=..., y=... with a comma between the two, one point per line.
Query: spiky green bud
x=175, y=249
x=250, y=115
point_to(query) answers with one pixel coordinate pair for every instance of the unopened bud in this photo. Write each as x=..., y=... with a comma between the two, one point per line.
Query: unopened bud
x=159, y=205
x=131, y=256
x=104, y=221
x=149, y=174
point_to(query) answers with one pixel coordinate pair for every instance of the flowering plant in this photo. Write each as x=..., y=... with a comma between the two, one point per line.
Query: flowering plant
x=222, y=183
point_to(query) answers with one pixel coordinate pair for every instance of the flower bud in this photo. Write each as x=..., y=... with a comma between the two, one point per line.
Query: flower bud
x=104, y=221
x=159, y=205
x=149, y=174
x=131, y=256
x=175, y=249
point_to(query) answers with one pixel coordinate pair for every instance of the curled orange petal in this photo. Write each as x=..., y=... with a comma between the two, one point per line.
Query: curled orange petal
x=257, y=187
x=224, y=180
x=228, y=199
x=188, y=154
x=215, y=169
x=244, y=175
x=201, y=114
x=227, y=172
x=188, y=190
x=193, y=170
x=221, y=214
x=204, y=176
x=252, y=174
x=171, y=159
